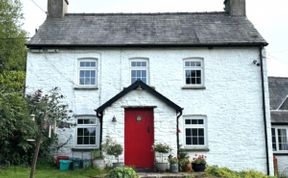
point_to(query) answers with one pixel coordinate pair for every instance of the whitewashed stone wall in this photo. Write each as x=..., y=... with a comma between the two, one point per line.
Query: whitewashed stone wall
x=232, y=100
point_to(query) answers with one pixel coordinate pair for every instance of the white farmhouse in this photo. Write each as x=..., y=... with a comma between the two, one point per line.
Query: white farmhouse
x=195, y=81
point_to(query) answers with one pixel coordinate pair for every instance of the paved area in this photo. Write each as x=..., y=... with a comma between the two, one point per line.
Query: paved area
x=169, y=175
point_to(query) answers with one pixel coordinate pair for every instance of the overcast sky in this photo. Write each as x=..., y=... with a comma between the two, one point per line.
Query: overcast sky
x=270, y=17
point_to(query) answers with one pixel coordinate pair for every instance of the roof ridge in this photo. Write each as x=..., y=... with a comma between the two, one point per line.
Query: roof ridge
x=144, y=13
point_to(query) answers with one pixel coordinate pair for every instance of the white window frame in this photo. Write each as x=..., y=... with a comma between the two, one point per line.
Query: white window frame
x=140, y=67
x=96, y=126
x=277, y=140
x=191, y=126
x=79, y=68
x=201, y=68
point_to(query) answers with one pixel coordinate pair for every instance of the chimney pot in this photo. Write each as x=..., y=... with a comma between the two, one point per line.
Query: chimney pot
x=57, y=8
x=235, y=7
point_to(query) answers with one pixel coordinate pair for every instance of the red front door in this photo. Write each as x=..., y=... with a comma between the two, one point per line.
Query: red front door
x=139, y=137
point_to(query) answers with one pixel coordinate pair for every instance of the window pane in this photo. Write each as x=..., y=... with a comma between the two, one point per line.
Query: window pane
x=188, y=141
x=93, y=81
x=87, y=81
x=86, y=140
x=274, y=140
x=92, y=140
x=143, y=73
x=80, y=132
x=201, y=140
x=138, y=73
x=81, y=81
x=194, y=141
x=187, y=121
x=92, y=131
x=87, y=73
x=194, y=121
x=82, y=64
x=82, y=72
x=93, y=73
x=79, y=140
x=201, y=132
x=93, y=64
x=188, y=132
x=80, y=121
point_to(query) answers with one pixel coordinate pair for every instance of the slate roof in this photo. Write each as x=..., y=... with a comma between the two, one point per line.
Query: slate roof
x=147, y=29
x=278, y=91
x=279, y=117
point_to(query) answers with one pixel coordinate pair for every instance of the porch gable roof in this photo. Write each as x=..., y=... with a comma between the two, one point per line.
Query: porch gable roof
x=134, y=86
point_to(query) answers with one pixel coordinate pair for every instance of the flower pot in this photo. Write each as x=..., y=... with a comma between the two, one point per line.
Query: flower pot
x=118, y=164
x=161, y=167
x=174, y=167
x=99, y=163
x=198, y=167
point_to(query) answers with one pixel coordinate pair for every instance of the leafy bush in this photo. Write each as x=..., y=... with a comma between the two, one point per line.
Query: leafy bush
x=15, y=128
x=227, y=173
x=122, y=172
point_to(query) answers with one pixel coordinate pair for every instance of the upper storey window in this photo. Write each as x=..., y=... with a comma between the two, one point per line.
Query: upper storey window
x=87, y=72
x=194, y=72
x=139, y=70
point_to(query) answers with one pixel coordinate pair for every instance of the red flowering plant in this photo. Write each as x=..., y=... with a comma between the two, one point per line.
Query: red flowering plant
x=199, y=159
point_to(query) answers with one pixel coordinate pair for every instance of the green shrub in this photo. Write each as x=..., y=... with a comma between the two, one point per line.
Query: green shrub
x=122, y=172
x=221, y=172
x=227, y=173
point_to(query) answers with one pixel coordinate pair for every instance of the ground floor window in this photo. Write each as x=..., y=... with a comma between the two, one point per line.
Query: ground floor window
x=279, y=139
x=195, y=131
x=87, y=131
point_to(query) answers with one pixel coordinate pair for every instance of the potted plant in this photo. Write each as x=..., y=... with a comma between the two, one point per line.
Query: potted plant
x=184, y=161
x=161, y=149
x=98, y=159
x=173, y=164
x=199, y=163
x=113, y=149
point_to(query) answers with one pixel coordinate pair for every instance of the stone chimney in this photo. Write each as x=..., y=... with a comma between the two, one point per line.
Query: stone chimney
x=235, y=7
x=57, y=8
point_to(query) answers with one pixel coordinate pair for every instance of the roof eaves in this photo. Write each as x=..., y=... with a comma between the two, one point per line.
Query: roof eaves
x=134, y=86
x=210, y=45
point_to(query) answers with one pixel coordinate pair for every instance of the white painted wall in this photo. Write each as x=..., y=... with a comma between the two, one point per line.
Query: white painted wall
x=232, y=100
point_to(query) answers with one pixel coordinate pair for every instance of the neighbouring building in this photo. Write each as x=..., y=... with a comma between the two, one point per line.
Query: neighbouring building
x=195, y=81
x=278, y=91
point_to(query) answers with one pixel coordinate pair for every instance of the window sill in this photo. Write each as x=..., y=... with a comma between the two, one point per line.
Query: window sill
x=195, y=149
x=194, y=87
x=85, y=87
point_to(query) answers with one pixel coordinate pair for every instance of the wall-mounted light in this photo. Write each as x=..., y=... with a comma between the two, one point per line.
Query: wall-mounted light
x=114, y=119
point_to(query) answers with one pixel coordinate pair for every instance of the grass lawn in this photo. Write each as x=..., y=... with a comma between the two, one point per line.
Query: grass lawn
x=47, y=172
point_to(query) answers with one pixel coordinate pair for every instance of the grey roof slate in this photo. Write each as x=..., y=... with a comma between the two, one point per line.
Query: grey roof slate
x=279, y=117
x=284, y=105
x=278, y=91
x=147, y=29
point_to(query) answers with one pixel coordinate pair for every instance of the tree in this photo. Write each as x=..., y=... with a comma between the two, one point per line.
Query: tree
x=12, y=38
x=47, y=110
x=15, y=122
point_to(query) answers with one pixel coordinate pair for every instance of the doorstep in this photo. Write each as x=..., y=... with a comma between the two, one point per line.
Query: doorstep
x=170, y=175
